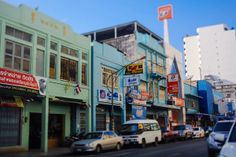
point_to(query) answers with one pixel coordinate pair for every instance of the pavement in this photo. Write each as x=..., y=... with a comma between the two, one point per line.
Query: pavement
x=190, y=148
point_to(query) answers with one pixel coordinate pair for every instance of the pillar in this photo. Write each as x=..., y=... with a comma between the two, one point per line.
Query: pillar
x=44, y=135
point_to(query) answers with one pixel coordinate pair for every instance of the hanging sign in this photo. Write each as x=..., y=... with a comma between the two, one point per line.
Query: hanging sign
x=172, y=84
x=131, y=81
x=132, y=69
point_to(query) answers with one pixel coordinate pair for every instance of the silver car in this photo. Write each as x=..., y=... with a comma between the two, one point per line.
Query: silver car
x=98, y=141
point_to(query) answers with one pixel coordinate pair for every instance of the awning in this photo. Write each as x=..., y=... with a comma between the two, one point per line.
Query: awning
x=69, y=101
x=167, y=106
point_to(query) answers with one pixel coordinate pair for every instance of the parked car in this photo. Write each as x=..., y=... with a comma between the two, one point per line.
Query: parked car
x=168, y=135
x=98, y=141
x=184, y=131
x=198, y=132
x=214, y=146
x=229, y=148
x=141, y=132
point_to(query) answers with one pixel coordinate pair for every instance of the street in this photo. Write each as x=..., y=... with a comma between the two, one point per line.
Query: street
x=190, y=148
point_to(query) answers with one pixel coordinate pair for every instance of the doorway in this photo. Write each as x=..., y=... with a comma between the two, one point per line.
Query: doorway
x=35, y=131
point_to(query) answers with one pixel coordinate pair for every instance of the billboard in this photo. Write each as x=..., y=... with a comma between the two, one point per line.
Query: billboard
x=105, y=95
x=139, y=112
x=179, y=102
x=165, y=12
x=131, y=81
x=173, y=84
x=132, y=69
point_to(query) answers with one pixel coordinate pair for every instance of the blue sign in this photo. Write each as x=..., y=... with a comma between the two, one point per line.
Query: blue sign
x=139, y=112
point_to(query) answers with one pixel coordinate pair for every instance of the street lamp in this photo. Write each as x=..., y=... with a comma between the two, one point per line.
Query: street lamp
x=118, y=72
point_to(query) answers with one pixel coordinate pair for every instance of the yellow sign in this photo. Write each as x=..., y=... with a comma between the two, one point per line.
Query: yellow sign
x=134, y=69
x=19, y=102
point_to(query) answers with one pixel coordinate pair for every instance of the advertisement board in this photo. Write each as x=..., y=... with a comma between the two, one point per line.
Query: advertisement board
x=105, y=95
x=139, y=112
x=179, y=102
x=14, y=80
x=131, y=80
x=172, y=84
x=165, y=12
x=132, y=69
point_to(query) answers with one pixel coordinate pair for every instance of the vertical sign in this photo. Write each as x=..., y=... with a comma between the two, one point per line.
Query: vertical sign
x=165, y=12
x=173, y=84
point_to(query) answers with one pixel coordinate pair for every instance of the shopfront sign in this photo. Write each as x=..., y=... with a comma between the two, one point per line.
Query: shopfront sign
x=179, y=102
x=165, y=12
x=139, y=102
x=15, y=101
x=105, y=95
x=139, y=112
x=14, y=80
x=132, y=69
x=131, y=81
x=172, y=84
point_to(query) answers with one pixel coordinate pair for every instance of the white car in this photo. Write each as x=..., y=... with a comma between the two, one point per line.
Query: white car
x=198, y=132
x=141, y=132
x=229, y=149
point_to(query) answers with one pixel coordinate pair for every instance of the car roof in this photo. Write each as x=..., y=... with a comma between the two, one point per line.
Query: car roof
x=141, y=121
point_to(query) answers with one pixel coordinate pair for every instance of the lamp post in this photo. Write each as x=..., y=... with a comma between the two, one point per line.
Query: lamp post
x=118, y=72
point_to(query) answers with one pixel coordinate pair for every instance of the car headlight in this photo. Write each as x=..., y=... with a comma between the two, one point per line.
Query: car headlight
x=89, y=145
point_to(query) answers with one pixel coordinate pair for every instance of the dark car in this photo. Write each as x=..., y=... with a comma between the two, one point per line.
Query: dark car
x=184, y=131
x=168, y=135
x=221, y=127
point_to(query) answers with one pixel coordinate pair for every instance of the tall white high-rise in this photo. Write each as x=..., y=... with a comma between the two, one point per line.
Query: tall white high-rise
x=211, y=52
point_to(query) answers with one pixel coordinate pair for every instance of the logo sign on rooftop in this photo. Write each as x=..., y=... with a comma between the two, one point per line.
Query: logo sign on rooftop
x=165, y=12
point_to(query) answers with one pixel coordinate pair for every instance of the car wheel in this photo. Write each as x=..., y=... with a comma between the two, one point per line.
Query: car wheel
x=98, y=149
x=118, y=146
x=156, y=142
x=143, y=145
x=211, y=153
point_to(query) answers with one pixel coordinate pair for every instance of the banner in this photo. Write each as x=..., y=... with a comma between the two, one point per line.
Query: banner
x=173, y=84
x=131, y=81
x=14, y=80
x=179, y=102
x=139, y=112
x=134, y=69
x=165, y=12
x=105, y=96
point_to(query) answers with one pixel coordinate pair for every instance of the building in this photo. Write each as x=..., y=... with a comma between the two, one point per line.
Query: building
x=211, y=52
x=136, y=41
x=44, y=80
x=107, y=60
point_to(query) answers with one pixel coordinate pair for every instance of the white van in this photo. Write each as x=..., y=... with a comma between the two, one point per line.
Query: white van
x=141, y=132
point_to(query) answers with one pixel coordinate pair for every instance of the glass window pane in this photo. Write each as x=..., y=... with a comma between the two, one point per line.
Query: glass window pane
x=41, y=41
x=27, y=52
x=27, y=37
x=40, y=63
x=68, y=69
x=8, y=61
x=9, y=31
x=17, y=63
x=84, y=74
x=26, y=65
x=18, y=50
x=73, y=52
x=53, y=46
x=84, y=56
x=52, y=72
x=64, y=49
x=18, y=34
x=9, y=47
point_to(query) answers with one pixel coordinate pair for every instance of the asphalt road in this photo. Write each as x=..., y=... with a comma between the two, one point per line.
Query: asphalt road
x=190, y=148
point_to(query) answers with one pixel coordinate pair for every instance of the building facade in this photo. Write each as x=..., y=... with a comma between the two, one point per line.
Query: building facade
x=136, y=41
x=216, y=42
x=44, y=80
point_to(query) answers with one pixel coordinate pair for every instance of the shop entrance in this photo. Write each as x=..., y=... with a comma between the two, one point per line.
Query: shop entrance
x=35, y=131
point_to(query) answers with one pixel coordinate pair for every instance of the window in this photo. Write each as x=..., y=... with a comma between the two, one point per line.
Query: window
x=151, y=89
x=147, y=126
x=53, y=46
x=68, y=69
x=84, y=74
x=84, y=56
x=162, y=93
x=40, y=63
x=69, y=51
x=52, y=70
x=18, y=34
x=106, y=77
x=154, y=127
x=17, y=56
x=41, y=41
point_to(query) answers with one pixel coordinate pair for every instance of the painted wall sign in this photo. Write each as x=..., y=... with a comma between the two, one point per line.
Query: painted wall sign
x=165, y=12
x=139, y=112
x=172, y=84
x=131, y=81
x=134, y=69
x=105, y=96
x=23, y=82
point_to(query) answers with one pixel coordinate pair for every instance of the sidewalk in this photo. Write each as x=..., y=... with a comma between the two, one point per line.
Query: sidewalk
x=37, y=153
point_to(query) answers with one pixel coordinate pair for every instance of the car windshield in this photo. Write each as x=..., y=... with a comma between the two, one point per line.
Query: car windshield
x=232, y=137
x=223, y=126
x=93, y=135
x=179, y=127
x=128, y=129
x=195, y=129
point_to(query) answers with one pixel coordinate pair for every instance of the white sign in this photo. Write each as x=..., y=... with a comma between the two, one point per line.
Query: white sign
x=131, y=81
x=105, y=96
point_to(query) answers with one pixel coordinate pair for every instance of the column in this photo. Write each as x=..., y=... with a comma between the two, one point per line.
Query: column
x=44, y=135
x=2, y=42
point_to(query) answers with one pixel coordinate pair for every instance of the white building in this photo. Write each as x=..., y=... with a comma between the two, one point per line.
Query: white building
x=211, y=52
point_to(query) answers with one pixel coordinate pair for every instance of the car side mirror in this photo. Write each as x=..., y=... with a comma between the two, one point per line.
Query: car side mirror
x=220, y=137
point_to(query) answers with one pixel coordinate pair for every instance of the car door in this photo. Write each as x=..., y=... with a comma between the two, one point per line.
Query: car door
x=105, y=141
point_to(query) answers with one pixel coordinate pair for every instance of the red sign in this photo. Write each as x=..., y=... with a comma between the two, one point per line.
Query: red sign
x=173, y=84
x=165, y=12
x=179, y=102
x=9, y=77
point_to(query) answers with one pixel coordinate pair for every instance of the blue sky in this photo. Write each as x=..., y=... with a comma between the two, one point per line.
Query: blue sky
x=87, y=15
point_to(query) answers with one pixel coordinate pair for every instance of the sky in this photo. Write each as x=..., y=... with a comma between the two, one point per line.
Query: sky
x=88, y=15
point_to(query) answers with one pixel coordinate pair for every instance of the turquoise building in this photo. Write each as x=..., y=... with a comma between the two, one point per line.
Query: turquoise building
x=44, y=72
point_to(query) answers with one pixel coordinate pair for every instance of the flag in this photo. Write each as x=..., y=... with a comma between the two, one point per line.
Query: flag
x=77, y=89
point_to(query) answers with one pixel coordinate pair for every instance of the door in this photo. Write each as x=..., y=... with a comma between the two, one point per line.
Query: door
x=55, y=130
x=35, y=131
